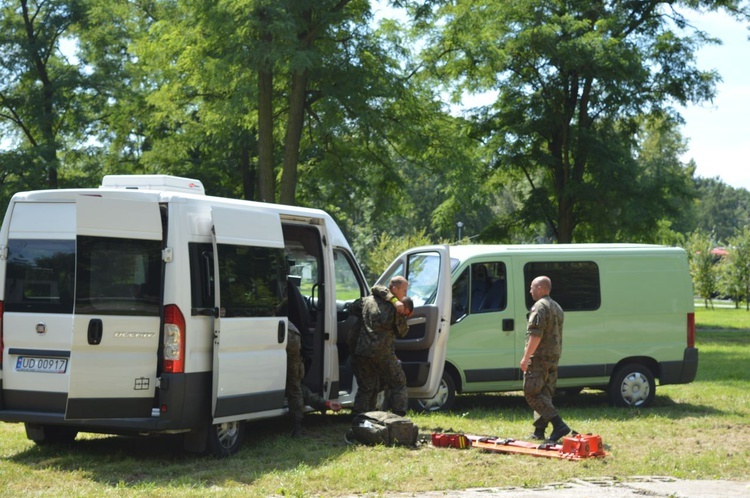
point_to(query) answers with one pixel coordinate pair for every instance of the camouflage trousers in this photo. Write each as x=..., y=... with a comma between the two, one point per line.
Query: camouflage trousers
x=375, y=373
x=539, y=382
x=297, y=394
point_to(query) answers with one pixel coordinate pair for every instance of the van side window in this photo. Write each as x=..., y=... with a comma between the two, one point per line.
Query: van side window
x=494, y=297
x=40, y=276
x=118, y=276
x=575, y=284
x=460, y=295
x=252, y=279
x=348, y=286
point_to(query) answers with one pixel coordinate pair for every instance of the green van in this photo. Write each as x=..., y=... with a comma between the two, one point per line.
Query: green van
x=629, y=319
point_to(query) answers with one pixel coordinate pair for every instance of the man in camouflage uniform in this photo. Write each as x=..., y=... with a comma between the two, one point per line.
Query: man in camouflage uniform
x=375, y=364
x=298, y=395
x=540, y=358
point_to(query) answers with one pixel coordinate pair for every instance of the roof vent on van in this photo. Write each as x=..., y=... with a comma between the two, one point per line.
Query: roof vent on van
x=154, y=182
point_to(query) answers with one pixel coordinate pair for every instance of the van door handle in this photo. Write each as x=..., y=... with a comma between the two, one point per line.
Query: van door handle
x=96, y=329
x=508, y=325
x=282, y=332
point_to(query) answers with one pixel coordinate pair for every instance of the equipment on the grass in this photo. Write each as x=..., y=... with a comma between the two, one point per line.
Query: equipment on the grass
x=576, y=447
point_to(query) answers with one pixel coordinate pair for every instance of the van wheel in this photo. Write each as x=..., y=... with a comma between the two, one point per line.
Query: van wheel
x=442, y=401
x=632, y=385
x=50, y=434
x=225, y=439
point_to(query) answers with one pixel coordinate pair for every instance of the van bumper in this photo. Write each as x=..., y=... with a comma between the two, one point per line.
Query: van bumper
x=183, y=404
x=679, y=372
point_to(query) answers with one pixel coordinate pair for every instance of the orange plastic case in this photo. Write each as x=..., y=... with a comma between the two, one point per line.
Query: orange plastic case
x=583, y=446
x=450, y=440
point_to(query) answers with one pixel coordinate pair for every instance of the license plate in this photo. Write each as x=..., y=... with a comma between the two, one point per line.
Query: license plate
x=44, y=365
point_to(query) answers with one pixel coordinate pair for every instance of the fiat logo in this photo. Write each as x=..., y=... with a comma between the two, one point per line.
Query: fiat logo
x=41, y=328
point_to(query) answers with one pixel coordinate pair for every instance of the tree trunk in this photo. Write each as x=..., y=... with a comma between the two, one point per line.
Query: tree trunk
x=266, y=188
x=293, y=135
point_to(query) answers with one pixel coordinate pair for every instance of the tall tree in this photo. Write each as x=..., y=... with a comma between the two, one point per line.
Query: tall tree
x=47, y=100
x=572, y=79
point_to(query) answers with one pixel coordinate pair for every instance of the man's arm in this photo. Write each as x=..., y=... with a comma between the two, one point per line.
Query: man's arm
x=531, y=346
x=385, y=293
x=401, y=326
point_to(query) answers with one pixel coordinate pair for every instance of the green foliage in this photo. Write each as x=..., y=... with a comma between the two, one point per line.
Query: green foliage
x=734, y=268
x=385, y=249
x=573, y=82
x=721, y=209
x=702, y=265
x=580, y=144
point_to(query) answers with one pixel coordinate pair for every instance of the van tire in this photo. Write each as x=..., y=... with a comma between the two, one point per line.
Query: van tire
x=225, y=439
x=442, y=401
x=50, y=434
x=632, y=385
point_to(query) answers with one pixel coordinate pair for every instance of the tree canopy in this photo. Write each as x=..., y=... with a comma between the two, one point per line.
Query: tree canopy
x=311, y=102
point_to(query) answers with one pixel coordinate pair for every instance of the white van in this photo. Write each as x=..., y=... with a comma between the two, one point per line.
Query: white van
x=146, y=306
x=629, y=319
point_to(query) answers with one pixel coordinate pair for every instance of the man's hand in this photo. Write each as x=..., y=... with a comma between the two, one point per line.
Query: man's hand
x=525, y=364
x=333, y=405
x=400, y=308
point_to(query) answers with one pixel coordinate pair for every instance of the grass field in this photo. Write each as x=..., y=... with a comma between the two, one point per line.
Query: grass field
x=695, y=431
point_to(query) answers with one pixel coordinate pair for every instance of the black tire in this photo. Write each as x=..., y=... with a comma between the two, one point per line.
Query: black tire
x=442, y=401
x=225, y=439
x=50, y=434
x=632, y=385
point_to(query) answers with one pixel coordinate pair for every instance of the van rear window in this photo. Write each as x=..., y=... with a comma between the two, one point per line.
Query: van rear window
x=118, y=276
x=40, y=276
x=575, y=284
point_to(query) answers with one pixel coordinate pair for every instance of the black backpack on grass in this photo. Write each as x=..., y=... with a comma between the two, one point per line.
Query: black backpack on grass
x=373, y=428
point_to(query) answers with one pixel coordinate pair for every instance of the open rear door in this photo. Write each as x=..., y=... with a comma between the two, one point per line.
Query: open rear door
x=422, y=351
x=249, y=365
x=113, y=357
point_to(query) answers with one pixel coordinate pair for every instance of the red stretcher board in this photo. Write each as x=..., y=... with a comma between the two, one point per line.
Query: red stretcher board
x=577, y=447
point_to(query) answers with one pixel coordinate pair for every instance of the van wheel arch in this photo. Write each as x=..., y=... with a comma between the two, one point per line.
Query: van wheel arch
x=219, y=440
x=632, y=385
x=446, y=395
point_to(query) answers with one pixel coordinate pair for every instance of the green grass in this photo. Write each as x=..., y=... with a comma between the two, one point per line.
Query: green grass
x=694, y=431
x=722, y=318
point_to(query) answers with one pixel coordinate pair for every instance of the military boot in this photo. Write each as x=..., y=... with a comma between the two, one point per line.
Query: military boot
x=559, y=429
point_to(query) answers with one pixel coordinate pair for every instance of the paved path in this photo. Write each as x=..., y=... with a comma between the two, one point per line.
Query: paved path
x=634, y=487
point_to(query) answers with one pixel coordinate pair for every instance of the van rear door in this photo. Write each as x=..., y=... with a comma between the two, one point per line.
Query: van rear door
x=113, y=357
x=249, y=364
x=422, y=352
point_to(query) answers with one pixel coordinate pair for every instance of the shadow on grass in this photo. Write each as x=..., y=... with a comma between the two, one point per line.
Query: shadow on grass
x=589, y=404
x=119, y=461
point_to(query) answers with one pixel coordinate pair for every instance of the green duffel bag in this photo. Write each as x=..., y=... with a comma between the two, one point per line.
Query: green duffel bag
x=386, y=428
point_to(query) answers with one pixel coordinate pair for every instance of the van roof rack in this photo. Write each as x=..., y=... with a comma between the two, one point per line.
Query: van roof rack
x=154, y=182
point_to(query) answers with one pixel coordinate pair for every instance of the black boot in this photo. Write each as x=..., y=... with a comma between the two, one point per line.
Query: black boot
x=559, y=429
x=297, y=430
x=538, y=434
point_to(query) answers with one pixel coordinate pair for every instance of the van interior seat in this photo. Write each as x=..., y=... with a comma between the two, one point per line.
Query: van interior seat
x=495, y=298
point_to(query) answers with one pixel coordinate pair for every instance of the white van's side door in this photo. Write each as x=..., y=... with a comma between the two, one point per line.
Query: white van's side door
x=113, y=356
x=249, y=363
x=422, y=352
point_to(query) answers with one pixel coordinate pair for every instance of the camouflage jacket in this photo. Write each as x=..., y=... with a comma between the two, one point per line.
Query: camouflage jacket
x=546, y=321
x=379, y=324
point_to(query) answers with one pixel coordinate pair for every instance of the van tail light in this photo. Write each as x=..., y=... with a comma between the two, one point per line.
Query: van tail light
x=2, y=345
x=691, y=330
x=174, y=339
